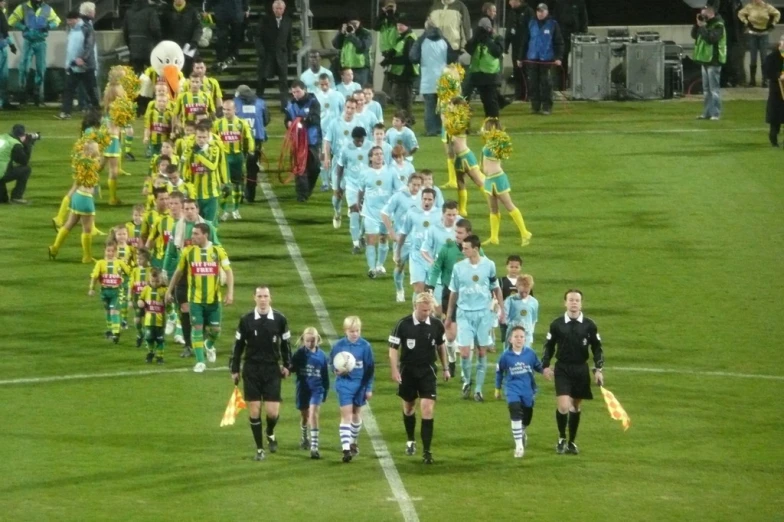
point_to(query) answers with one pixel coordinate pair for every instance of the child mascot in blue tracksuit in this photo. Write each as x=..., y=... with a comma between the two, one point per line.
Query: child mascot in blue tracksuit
x=309, y=363
x=354, y=388
x=517, y=365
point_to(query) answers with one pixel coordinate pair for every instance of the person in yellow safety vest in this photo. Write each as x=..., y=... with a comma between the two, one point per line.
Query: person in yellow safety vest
x=354, y=43
x=486, y=50
x=710, y=51
x=402, y=71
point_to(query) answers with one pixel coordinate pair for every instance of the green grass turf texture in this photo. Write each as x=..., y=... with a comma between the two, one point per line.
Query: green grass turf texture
x=674, y=237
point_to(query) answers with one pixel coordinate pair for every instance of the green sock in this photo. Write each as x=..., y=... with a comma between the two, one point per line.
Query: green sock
x=198, y=344
x=237, y=194
x=150, y=347
x=159, y=350
x=116, y=324
x=108, y=321
x=128, y=143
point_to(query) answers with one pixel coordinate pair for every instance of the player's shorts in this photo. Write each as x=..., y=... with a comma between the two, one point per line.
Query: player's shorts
x=497, y=184
x=306, y=397
x=445, y=303
x=82, y=203
x=261, y=382
x=526, y=399
x=352, y=195
x=205, y=314
x=114, y=149
x=374, y=226
x=110, y=297
x=475, y=327
x=350, y=393
x=208, y=209
x=405, y=253
x=181, y=291
x=156, y=149
x=418, y=382
x=235, y=163
x=154, y=334
x=573, y=380
x=418, y=269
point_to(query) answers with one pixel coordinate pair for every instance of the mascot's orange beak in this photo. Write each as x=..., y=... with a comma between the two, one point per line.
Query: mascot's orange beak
x=172, y=76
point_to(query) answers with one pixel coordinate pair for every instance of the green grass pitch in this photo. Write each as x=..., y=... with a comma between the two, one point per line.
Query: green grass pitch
x=670, y=226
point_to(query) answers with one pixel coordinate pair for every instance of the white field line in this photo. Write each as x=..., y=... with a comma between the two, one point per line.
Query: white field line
x=404, y=501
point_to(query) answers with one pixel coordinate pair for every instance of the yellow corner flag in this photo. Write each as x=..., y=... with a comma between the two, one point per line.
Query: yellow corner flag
x=236, y=403
x=616, y=410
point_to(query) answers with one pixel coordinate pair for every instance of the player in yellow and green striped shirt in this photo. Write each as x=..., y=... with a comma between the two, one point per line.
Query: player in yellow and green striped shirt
x=191, y=102
x=237, y=138
x=110, y=272
x=158, y=178
x=205, y=167
x=210, y=86
x=134, y=227
x=149, y=218
x=127, y=253
x=153, y=302
x=203, y=262
x=158, y=124
x=183, y=144
x=140, y=276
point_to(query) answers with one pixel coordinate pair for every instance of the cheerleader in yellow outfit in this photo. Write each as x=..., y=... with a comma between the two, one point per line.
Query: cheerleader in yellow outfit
x=498, y=146
x=457, y=118
x=86, y=164
x=449, y=86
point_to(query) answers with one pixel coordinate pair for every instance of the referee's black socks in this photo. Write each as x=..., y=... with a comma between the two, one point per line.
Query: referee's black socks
x=271, y=423
x=255, y=427
x=409, y=421
x=574, y=422
x=427, y=434
x=185, y=322
x=560, y=419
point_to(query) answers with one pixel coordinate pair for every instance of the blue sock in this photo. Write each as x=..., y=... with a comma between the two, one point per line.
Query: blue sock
x=324, y=176
x=465, y=365
x=370, y=255
x=354, y=226
x=481, y=369
x=398, y=277
x=383, y=250
x=336, y=204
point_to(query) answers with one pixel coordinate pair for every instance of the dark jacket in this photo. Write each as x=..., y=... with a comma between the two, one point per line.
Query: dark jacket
x=771, y=69
x=228, y=10
x=361, y=38
x=572, y=16
x=392, y=58
x=558, y=41
x=495, y=46
x=4, y=28
x=516, y=23
x=141, y=29
x=274, y=41
x=312, y=120
x=182, y=26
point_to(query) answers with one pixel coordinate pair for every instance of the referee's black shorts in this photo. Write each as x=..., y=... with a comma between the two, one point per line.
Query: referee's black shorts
x=261, y=382
x=445, y=293
x=417, y=382
x=181, y=291
x=573, y=380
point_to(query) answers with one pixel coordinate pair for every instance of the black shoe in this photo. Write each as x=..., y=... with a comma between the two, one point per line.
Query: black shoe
x=764, y=84
x=108, y=335
x=149, y=357
x=260, y=455
x=452, y=369
x=372, y=274
x=159, y=360
x=346, y=456
x=304, y=443
x=466, y=391
x=272, y=443
x=560, y=448
x=478, y=397
x=427, y=458
x=129, y=156
x=314, y=454
x=116, y=339
x=186, y=352
x=362, y=242
x=139, y=341
x=354, y=449
x=411, y=448
x=534, y=110
x=356, y=250
x=571, y=449
x=124, y=325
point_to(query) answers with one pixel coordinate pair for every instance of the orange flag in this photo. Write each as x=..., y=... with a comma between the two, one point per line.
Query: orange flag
x=616, y=410
x=236, y=403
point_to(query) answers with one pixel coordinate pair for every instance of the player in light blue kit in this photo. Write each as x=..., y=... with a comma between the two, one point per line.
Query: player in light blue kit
x=331, y=108
x=367, y=118
x=309, y=363
x=347, y=85
x=352, y=162
x=379, y=140
x=400, y=165
x=427, y=182
x=376, y=188
x=436, y=237
x=371, y=104
x=394, y=216
x=399, y=134
x=473, y=286
x=312, y=76
x=417, y=222
x=337, y=137
x=355, y=388
x=517, y=365
x=522, y=309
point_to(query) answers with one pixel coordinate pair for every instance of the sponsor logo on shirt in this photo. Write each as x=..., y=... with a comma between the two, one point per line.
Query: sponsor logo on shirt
x=111, y=280
x=230, y=136
x=204, y=268
x=160, y=127
x=193, y=108
x=155, y=307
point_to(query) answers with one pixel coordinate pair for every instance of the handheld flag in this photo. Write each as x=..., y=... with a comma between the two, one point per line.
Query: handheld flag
x=616, y=410
x=236, y=403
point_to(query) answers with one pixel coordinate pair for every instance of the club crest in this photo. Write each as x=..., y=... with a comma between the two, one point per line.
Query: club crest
x=475, y=278
x=410, y=343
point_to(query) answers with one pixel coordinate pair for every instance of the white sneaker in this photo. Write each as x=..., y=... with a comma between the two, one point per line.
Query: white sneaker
x=336, y=221
x=200, y=367
x=224, y=216
x=179, y=339
x=381, y=270
x=170, y=326
x=211, y=355
x=401, y=296
x=519, y=452
x=236, y=215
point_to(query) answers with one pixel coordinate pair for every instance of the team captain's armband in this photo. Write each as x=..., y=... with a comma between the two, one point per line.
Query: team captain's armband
x=395, y=341
x=286, y=336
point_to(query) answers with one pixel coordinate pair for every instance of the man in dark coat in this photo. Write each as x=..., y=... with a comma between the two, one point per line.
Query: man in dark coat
x=572, y=18
x=517, y=19
x=771, y=71
x=141, y=32
x=181, y=24
x=229, y=16
x=402, y=72
x=274, y=47
x=544, y=48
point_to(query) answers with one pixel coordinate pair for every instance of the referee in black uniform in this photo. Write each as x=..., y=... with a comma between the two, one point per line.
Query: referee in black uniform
x=264, y=336
x=572, y=334
x=419, y=337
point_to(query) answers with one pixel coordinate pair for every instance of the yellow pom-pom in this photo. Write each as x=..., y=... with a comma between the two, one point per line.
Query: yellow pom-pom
x=499, y=143
x=122, y=111
x=129, y=81
x=458, y=119
x=86, y=162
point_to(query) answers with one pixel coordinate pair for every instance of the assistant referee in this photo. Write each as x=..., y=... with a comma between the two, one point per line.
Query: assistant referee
x=572, y=334
x=264, y=336
x=414, y=343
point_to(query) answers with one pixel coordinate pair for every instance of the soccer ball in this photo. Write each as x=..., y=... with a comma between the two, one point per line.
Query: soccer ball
x=344, y=362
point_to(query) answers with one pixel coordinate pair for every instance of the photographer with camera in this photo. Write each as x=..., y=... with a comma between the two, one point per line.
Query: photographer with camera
x=710, y=50
x=386, y=26
x=354, y=43
x=15, y=151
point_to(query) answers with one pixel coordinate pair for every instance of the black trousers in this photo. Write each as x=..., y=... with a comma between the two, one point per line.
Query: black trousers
x=20, y=174
x=229, y=35
x=563, y=76
x=253, y=171
x=307, y=181
x=402, y=96
x=518, y=77
x=72, y=82
x=540, y=86
x=268, y=67
x=490, y=97
x=775, y=128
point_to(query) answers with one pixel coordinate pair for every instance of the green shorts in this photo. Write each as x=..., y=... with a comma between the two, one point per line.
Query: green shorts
x=208, y=209
x=497, y=184
x=156, y=149
x=82, y=203
x=235, y=163
x=154, y=334
x=110, y=297
x=205, y=314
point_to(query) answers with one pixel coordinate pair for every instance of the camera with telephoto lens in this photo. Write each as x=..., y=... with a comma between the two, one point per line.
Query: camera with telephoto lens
x=349, y=28
x=33, y=136
x=701, y=17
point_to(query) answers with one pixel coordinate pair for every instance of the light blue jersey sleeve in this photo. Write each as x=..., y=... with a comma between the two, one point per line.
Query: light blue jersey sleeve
x=409, y=140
